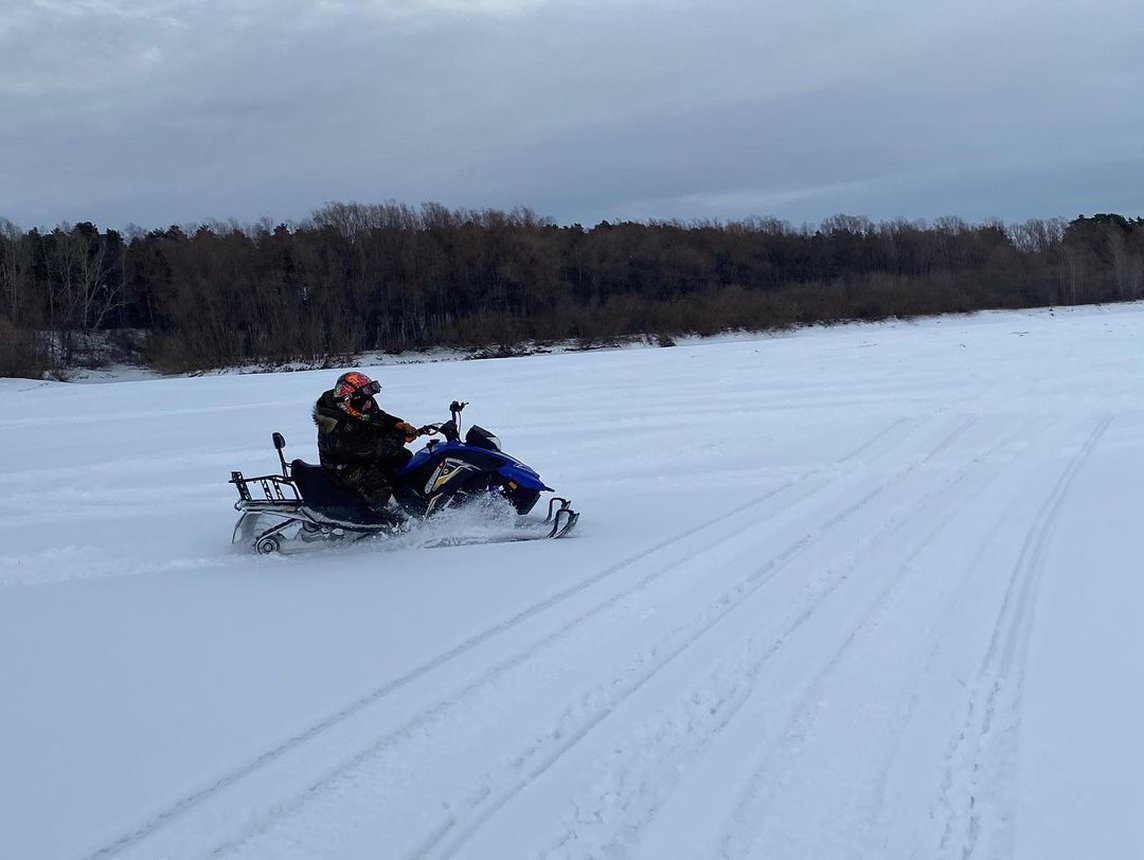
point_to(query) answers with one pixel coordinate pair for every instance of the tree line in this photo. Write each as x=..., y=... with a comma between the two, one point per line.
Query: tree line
x=355, y=278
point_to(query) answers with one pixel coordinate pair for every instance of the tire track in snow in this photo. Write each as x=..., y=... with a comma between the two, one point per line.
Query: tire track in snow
x=269, y=757
x=753, y=802
x=684, y=730
x=876, y=443
x=452, y=837
x=977, y=763
x=195, y=799
x=876, y=816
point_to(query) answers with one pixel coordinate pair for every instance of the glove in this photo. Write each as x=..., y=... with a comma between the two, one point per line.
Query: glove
x=407, y=429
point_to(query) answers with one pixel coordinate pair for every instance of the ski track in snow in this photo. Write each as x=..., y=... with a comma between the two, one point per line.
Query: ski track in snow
x=807, y=637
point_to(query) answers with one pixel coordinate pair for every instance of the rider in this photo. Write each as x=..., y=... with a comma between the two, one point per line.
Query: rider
x=359, y=445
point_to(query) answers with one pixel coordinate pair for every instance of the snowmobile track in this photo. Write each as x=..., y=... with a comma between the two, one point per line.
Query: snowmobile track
x=536, y=646
x=876, y=822
x=193, y=800
x=457, y=833
x=713, y=714
x=752, y=805
x=997, y=689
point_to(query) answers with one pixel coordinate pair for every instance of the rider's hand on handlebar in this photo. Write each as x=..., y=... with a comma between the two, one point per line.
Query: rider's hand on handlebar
x=427, y=430
x=408, y=429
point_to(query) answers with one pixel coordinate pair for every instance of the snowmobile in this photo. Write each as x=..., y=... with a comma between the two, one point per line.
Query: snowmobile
x=302, y=505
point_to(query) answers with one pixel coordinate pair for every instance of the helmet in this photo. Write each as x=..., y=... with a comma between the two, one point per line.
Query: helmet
x=353, y=392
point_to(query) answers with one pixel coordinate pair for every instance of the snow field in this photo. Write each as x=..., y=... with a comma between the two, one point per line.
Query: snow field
x=869, y=591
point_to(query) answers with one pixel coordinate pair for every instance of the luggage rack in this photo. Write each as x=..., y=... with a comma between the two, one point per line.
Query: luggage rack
x=280, y=500
x=275, y=488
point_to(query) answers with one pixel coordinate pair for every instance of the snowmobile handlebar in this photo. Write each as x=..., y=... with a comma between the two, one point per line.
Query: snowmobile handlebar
x=450, y=429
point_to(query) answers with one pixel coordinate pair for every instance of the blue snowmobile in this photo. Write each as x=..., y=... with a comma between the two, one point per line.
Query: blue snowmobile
x=303, y=506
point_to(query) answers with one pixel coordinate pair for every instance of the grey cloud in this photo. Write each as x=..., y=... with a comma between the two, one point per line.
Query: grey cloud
x=165, y=112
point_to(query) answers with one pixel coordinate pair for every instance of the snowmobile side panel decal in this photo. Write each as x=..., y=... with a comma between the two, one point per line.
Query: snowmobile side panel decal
x=444, y=473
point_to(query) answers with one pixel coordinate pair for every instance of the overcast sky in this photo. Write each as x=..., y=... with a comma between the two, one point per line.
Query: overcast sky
x=159, y=112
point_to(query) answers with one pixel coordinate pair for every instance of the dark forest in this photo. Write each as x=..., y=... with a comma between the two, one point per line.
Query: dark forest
x=355, y=278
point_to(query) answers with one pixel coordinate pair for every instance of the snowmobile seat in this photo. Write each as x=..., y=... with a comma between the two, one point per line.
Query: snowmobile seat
x=326, y=499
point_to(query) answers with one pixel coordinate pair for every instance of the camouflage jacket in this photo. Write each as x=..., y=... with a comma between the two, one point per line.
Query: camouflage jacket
x=345, y=439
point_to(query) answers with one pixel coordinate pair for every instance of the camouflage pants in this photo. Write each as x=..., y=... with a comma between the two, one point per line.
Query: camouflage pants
x=372, y=481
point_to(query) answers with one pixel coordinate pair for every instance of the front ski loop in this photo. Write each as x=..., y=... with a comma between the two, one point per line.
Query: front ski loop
x=552, y=503
x=563, y=518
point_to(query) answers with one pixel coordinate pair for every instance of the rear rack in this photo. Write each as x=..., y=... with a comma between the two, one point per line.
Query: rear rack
x=275, y=488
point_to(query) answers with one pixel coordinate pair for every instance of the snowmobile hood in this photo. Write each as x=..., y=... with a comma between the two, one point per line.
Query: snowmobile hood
x=504, y=464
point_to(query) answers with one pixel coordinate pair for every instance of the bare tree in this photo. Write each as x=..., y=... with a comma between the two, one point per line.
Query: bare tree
x=85, y=284
x=15, y=271
x=1127, y=264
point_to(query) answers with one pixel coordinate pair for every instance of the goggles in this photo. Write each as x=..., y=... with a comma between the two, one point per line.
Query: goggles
x=366, y=391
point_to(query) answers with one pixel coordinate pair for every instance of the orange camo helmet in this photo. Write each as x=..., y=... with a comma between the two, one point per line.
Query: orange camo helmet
x=353, y=391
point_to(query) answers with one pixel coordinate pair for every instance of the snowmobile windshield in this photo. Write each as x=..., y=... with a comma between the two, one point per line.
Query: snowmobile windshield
x=479, y=437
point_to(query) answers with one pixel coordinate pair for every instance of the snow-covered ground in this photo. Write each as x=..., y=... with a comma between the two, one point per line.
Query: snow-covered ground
x=871, y=591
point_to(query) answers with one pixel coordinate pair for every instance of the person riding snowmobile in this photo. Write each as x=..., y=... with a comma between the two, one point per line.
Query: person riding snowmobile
x=359, y=445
